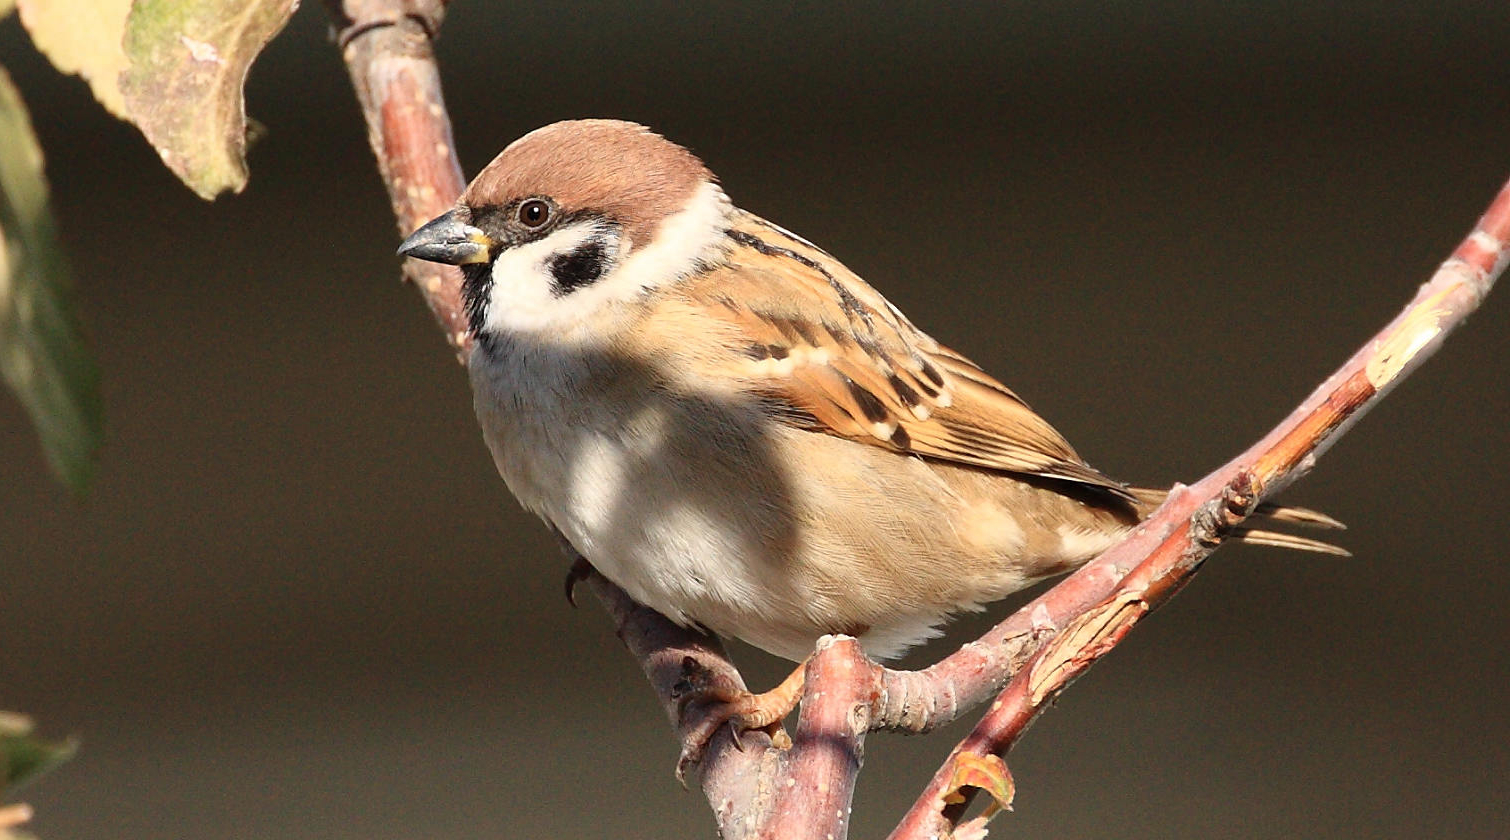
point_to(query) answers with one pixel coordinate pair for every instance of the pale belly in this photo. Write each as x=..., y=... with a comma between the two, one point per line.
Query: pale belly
x=714, y=515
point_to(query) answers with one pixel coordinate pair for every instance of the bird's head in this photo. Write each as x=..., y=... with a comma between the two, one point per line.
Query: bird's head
x=572, y=221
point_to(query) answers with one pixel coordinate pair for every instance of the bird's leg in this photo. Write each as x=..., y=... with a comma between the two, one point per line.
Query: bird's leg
x=722, y=704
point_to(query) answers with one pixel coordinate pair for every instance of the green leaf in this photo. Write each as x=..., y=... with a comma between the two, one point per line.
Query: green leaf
x=24, y=757
x=42, y=357
x=83, y=37
x=183, y=86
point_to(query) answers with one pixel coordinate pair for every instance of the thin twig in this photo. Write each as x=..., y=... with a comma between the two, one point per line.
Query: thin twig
x=1171, y=545
x=388, y=53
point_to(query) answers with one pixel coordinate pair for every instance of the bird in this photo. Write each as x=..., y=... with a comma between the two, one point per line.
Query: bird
x=735, y=428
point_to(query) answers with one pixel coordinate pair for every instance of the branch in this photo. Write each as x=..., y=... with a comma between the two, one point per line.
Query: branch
x=734, y=778
x=1169, y=547
x=816, y=779
x=756, y=790
x=387, y=45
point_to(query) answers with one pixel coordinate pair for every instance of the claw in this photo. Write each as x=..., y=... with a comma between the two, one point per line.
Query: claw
x=684, y=761
x=722, y=705
x=580, y=570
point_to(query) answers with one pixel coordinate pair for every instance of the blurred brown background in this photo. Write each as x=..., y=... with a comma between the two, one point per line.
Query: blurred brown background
x=300, y=603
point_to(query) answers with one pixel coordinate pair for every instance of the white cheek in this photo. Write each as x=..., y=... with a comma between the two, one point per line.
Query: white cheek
x=681, y=240
x=523, y=296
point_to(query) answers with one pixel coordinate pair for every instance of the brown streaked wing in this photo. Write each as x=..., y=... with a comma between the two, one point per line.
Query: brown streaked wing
x=814, y=335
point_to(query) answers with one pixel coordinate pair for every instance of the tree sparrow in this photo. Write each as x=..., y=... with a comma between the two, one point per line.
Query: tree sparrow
x=735, y=428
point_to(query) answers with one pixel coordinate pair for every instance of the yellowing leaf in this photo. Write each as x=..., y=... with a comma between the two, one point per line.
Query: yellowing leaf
x=188, y=63
x=42, y=357
x=986, y=772
x=82, y=37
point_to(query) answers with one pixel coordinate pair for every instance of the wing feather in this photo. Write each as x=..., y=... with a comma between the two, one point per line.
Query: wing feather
x=803, y=329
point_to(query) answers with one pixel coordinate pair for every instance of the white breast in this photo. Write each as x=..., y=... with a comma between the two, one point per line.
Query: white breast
x=671, y=499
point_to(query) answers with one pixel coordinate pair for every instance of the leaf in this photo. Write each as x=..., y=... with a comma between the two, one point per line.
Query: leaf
x=986, y=772
x=12, y=816
x=188, y=63
x=42, y=356
x=82, y=37
x=24, y=757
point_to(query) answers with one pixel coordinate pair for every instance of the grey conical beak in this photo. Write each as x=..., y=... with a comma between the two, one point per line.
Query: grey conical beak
x=447, y=239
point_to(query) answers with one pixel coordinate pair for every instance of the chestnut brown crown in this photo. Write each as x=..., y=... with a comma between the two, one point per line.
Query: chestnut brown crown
x=620, y=170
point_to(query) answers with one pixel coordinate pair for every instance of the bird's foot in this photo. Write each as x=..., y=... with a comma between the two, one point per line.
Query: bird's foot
x=718, y=703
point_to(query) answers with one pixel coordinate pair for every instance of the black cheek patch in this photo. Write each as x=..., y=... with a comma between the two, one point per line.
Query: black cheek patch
x=579, y=267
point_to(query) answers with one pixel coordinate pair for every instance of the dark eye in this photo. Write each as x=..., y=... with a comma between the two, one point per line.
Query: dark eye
x=534, y=213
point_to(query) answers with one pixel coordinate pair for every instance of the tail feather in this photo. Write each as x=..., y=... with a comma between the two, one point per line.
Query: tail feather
x=1297, y=515
x=1278, y=539
x=1149, y=498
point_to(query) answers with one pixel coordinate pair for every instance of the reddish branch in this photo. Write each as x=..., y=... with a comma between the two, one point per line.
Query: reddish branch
x=804, y=792
x=736, y=780
x=816, y=778
x=388, y=51
x=1171, y=545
